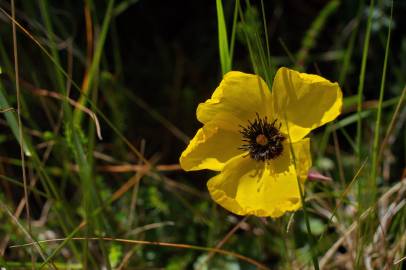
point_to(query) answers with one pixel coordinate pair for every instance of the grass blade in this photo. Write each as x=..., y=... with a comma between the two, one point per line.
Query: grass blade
x=94, y=67
x=311, y=35
x=12, y=120
x=375, y=151
x=362, y=79
x=225, y=59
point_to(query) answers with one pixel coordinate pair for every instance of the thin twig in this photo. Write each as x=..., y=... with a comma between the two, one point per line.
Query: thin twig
x=392, y=123
x=33, y=242
x=156, y=243
x=20, y=126
x=125, y=168
x=47, y=93
x=223, y=241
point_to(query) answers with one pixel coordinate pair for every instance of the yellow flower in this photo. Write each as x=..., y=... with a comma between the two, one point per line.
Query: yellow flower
x=256, y=139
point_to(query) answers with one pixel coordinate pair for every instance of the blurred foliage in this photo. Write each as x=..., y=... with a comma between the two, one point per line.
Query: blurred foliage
x=160, y=59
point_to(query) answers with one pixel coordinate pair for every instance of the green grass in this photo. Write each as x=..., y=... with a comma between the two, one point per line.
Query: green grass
x=98, y=99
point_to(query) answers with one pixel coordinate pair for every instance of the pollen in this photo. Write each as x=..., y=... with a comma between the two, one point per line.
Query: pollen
x=262, y=139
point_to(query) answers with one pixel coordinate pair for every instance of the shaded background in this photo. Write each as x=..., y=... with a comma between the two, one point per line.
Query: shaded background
x=160, y=60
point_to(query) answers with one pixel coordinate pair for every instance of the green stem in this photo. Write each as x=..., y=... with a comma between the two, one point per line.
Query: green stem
x=94, y=67
x=362, y=80
x=379, y=114
x=305, y=213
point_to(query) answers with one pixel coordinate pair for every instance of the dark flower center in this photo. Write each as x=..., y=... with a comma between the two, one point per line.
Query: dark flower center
x=263, y=140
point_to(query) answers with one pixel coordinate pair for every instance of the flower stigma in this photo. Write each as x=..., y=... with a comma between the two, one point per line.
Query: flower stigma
x=263, y=139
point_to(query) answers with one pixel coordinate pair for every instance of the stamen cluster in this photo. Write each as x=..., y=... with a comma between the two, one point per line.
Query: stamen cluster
x=263, y=140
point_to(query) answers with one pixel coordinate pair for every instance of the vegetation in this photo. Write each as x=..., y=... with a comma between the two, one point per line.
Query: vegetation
x=98, y=100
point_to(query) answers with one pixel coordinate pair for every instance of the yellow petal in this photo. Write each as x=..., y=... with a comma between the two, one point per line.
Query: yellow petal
x=305, y=101
x=240, y=95
x=303, y=158
x=213, y=145
x=248, y=187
